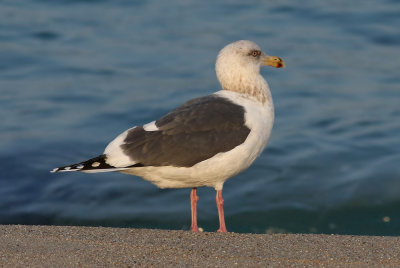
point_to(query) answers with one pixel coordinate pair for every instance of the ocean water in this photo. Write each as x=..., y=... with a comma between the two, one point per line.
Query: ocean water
x=74, y=74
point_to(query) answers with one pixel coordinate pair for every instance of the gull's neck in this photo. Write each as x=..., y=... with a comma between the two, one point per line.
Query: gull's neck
x=247, y=82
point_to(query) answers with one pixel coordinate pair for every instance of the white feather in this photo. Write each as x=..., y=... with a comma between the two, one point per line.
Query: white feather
x=151, y=126
x=114, y=153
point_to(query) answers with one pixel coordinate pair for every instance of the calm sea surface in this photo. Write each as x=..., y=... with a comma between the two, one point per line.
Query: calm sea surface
x=75, y=74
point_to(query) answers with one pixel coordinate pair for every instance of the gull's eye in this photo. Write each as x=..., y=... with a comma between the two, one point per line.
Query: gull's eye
x=255, y=53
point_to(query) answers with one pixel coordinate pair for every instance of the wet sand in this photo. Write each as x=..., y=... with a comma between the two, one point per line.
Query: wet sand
x=65, y=246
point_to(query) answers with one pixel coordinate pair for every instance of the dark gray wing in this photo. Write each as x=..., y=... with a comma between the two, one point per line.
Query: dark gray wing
x=195, y=131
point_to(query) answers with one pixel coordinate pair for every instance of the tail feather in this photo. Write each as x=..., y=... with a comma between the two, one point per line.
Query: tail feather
x=97, y=164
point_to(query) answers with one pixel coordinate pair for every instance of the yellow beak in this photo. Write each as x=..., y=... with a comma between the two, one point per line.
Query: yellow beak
x=273, y=61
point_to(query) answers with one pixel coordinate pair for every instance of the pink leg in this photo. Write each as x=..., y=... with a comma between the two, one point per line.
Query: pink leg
x=193, y=202
x=220, y=206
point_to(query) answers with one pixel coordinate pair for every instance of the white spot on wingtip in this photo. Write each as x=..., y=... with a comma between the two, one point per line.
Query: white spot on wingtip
x=54, y=170
x=151, y=126
x=95, y=164
x=80, y=167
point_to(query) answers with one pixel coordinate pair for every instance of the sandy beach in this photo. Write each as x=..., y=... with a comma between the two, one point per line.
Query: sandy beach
x=67, y=246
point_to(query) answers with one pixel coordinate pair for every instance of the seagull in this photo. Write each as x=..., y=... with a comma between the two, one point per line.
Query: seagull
x=206, y=140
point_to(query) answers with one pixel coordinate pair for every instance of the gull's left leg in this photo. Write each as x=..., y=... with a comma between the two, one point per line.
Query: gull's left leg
x=193, y=202
x=220, y=206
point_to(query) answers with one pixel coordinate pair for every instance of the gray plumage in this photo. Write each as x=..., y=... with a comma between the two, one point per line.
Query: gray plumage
x=195, y=131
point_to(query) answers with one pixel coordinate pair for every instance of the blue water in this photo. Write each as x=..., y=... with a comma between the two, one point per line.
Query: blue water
x=74, y=74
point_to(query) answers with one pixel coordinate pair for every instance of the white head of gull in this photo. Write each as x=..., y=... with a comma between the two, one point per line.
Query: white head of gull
x=206, y=140
x=238, y=68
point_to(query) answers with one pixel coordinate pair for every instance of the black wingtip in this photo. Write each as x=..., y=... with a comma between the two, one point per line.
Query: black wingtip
x=98, y=162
